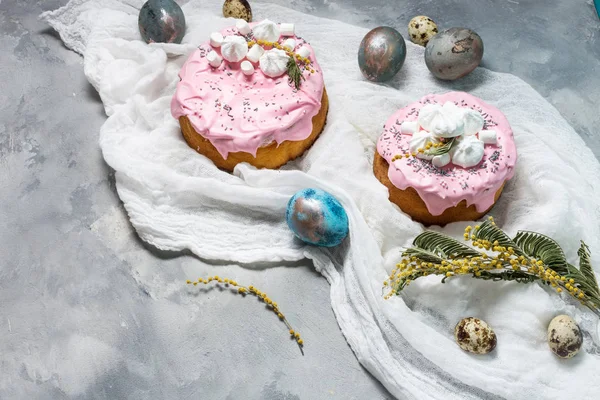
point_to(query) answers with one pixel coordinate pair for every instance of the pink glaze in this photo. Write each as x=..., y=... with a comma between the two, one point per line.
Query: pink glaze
x=442, y=188
x=239, y=113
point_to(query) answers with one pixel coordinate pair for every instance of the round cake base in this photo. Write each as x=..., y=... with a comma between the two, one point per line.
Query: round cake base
x=411, y=203
x=271, y=156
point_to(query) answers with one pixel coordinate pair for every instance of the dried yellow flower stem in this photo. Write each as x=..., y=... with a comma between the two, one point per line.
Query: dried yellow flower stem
x=258, y=294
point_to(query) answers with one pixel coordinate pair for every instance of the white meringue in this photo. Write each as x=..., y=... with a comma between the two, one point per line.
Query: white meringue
x=409, y=127
x=266, y=30
x=303, y=52
x=242, y=26
x=286, y=29
x=473, y=121
x=214, y=59
x=273, y=63
x=442, y=121
x=488, y=136
x=216, y=39
x=254, y=53
x=419, y=141
x=234, y=48
x=442, y=160
x=247, y=68
x=467, y=152
x=289, y=44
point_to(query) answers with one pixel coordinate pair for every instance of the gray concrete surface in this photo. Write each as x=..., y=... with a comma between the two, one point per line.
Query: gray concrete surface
x=75, y=324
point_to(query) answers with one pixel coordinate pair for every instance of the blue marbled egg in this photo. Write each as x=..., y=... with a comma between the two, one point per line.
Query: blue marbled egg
x=161, y=21
x=316, y=217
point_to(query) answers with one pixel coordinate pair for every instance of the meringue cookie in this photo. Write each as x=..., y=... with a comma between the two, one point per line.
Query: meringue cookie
x=254, y=53
x=266, y=30
x=419, y=141
x=242, y=27
x=247, y=68
x=467, y=152
x=273, y=63
x=409, y=127
x=214, y=59
x=442, y=121
x=303, y=52
x=216, y=39
x=488, y=136
x=473, y=121
x=287, y=29
x=289, y=44
x=234, y=48
x=442, y=160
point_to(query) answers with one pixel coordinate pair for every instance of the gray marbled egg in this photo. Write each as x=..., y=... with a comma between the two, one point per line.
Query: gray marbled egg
x=564, y=336
x=453, y=53
x=161, y=21
x=421, y=29
x=475, y=336
x=381, y=54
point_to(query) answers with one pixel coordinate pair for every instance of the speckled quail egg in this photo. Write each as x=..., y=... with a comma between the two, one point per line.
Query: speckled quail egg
x=564, y=336
x=475, y=336
x=421, y=29
x=239, y=9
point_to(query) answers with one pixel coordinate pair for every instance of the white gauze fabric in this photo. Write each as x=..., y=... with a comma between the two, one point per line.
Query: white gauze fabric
x=176, y=199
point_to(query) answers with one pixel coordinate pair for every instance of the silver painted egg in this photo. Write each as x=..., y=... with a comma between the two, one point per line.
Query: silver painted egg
x=475, y=336
x=564, y=336
x=161, y=21
x=316, y=217
x=453, y=53
x=421, y=29
x=381, y=54
x=239, y=9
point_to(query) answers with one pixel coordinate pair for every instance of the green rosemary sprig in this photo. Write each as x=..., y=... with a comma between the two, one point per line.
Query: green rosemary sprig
x=526, y=258
x=294, y=73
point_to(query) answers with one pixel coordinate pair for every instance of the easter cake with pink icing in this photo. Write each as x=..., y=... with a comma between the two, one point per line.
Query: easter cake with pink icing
x=446, y=158
x=252, y=93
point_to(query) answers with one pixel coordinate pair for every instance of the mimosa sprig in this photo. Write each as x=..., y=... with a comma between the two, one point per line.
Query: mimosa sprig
x=528, y=257
x=251, y=290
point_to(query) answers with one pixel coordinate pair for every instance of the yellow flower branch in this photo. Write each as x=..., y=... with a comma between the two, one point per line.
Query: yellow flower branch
x=436, y=254
x=251, y=290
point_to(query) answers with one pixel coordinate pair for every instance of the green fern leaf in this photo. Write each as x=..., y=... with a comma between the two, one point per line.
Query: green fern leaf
x=589, y=288
x=585, y=263
x=587, y=272
x=489, y=231
x=443, y=246
x=543, y=248
x=422, y=255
